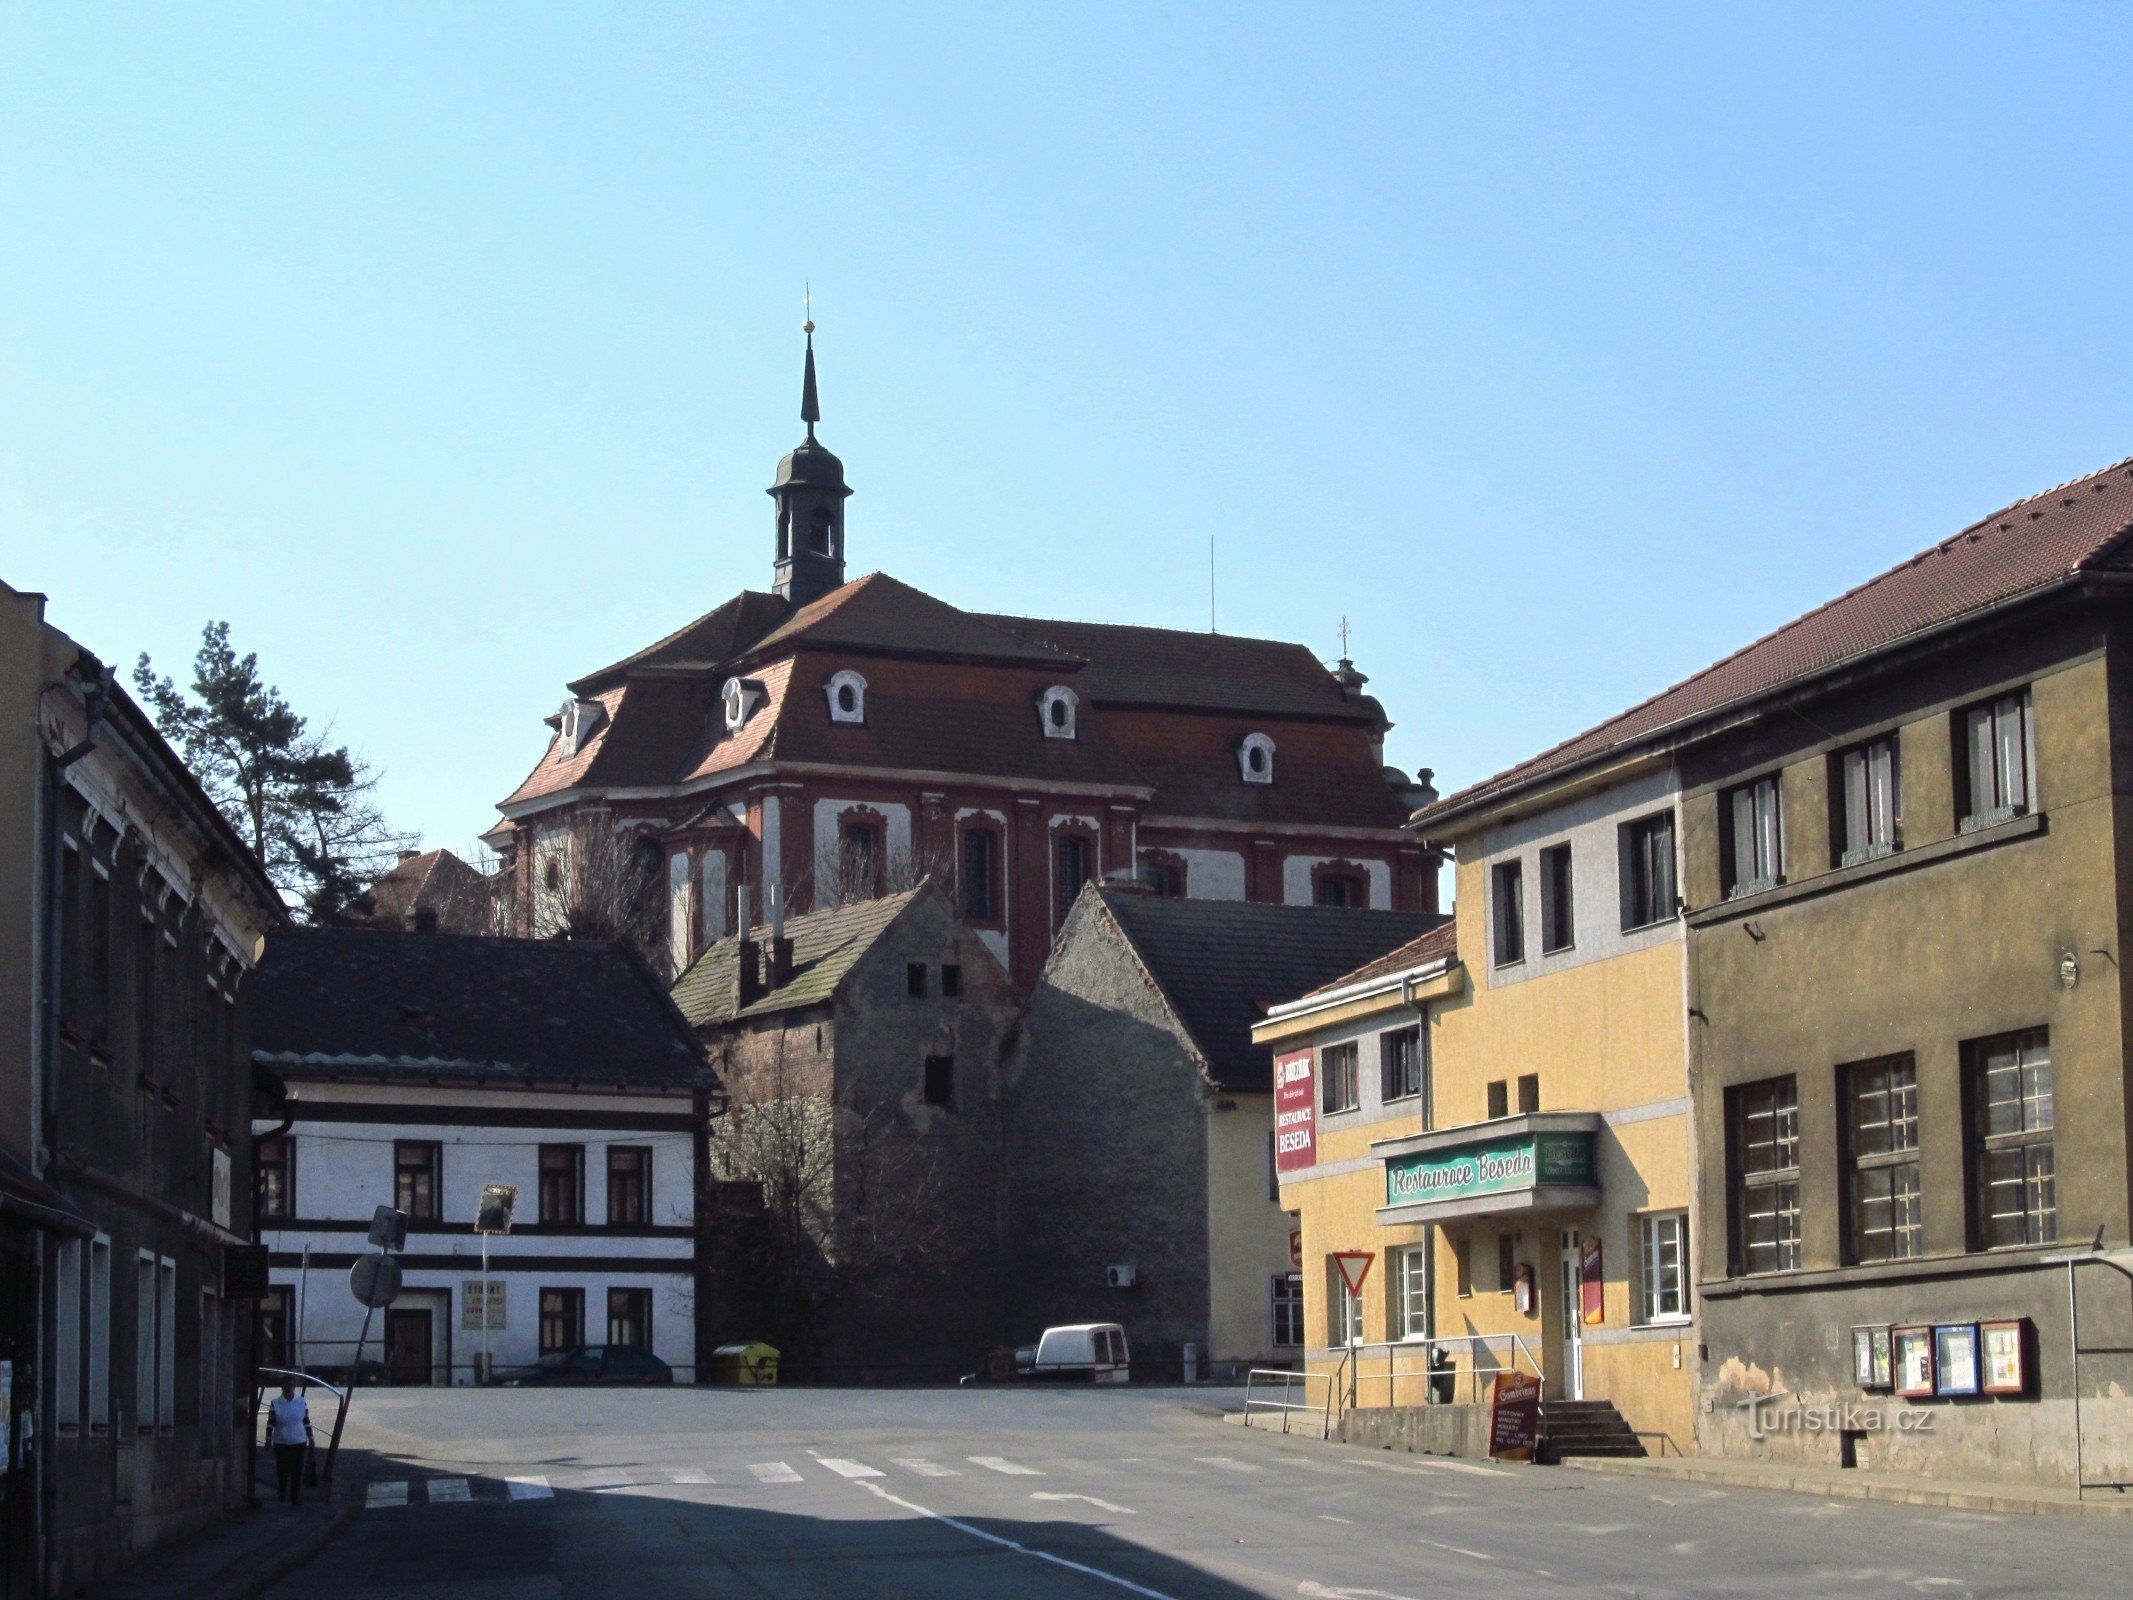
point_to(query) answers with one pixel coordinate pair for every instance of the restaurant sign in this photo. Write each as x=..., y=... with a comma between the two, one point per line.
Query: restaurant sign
x=1295, y=1127
x=1499, y=1166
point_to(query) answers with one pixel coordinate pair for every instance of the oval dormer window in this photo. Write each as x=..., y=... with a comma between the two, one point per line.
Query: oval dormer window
x=741, y=697
x=1055, y=708
x=847, y=693
x=1255, y=758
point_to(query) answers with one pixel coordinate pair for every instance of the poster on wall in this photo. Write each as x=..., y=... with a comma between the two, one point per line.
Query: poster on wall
x=2005, y=1351
x=1295, y=1112
x=1592, y=1304
x=1912, y=1351
x=1955, y=1358
x=1871, y=1367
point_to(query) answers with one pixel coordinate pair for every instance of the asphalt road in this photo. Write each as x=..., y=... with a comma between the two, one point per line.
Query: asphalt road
x=1080, y=1495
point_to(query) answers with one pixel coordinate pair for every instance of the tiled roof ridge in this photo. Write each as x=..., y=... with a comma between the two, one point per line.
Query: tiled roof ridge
x=1413, y=953
x=1538, y=763
x=1146, y=627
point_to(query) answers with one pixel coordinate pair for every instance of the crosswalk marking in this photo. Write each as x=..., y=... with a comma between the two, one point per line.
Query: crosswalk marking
x=849, y=1469
x=773, y=1472
x=379, y=1495
x=689, y=1475
x=1000, y=1464
x=531, y=1487
x=449, y=1489
x=924, y=1468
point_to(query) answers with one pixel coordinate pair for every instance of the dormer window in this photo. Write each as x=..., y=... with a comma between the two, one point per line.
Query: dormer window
x=742, y=696
x=1055, y=708
x=847, y=693
x=577, y=722
x=1255, y=758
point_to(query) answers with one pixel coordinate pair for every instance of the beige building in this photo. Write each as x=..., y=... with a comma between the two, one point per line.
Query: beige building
x=1498, y=1120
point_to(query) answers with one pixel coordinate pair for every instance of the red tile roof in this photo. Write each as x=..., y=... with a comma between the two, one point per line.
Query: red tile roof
x=1439, y=942
x=878, y=612
x=2078, y=527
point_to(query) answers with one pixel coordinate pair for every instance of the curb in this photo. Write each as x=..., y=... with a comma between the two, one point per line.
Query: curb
x=1847, y=1488
x=263, y=1577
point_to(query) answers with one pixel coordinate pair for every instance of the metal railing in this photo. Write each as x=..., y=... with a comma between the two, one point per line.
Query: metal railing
x=1430, y=1371
x=306, y=1381
x=1289, y=1405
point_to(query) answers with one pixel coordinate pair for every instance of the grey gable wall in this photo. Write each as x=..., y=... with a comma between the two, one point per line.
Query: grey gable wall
x=1107, y=1152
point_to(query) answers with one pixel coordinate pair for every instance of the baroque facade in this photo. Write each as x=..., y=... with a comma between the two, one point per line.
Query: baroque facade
x=835, y=739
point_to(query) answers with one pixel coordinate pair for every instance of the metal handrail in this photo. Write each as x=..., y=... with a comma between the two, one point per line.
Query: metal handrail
x=1351, y=1363
x=307, y=1380
x=1290, y=1377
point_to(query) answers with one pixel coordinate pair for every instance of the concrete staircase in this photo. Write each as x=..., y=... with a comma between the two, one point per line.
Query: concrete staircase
x=1586, y=1428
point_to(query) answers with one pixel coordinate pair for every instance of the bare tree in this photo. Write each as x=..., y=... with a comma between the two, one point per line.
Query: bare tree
x=859, y=871
x=613, y=888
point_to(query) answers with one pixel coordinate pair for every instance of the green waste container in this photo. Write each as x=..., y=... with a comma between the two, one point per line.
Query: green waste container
x=752, y=1366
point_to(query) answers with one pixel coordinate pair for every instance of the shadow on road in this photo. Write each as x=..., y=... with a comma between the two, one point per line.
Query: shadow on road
x=644, y=1541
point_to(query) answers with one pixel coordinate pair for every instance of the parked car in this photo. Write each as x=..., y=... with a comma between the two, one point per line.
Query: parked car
x=1083, y=1352
x=593, y=1363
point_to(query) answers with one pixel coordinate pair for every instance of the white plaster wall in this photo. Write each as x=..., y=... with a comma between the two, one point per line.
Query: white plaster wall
x=1592, y=825
x=344, y=1172
x=896, y=821
x=1213, y=874
x=678, y=912
x=1296, y=880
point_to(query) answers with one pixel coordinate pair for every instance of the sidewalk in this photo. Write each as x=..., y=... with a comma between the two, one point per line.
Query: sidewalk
x=1838, y=1483
x=244, y=1554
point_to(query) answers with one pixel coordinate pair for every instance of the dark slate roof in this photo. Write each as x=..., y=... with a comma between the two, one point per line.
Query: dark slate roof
x=2078, y=527
x=881, y=613
x=1180, y=670
x=356, y=1003
x=1439, y=942
x=1222, y=963
x=718, y=635
x=826, y=945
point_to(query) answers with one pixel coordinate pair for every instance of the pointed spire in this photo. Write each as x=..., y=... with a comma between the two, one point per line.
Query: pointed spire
x=810, y=407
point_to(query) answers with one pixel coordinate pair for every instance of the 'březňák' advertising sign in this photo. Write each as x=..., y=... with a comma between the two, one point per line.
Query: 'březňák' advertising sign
x=1295, y=1113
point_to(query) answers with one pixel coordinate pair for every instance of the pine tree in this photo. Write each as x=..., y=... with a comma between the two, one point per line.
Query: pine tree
x=303, y=803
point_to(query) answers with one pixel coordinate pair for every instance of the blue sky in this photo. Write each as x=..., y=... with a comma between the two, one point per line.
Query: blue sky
x=446, y=351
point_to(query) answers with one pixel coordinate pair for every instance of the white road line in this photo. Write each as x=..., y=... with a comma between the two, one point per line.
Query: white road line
x=1230, y=1462
x=1327, y=1516
x=1001, y=1464
x=689, y=1475
x=773, y=1472
x=1459, y=1550
x=1101, y=1505
x=1020, y=1549
x=531, y=1487
x=380, y=1495
x=849, y=1469
x=454, y=1489
x=926, y=1469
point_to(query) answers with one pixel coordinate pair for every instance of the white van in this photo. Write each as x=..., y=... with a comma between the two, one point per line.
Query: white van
x=1085, y=1352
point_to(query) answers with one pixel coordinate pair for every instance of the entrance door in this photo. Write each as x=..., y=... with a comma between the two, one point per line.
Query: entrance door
x=1573, y=1322
x=407, y=1346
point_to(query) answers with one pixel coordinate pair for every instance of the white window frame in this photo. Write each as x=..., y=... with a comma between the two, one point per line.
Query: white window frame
x=1353, y=1101
x=1411, y=1277
x=144, y=1341
x=832, y=692
x=1999, y=743
x=1344, y=1310
x=1262, y=746
x=1058, y=695
x=1873, y=800
x=166, y=1343
x=1285, y=1296
x=1653, y=1231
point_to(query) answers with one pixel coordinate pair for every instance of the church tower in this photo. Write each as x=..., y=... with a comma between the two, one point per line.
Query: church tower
x=810, y=493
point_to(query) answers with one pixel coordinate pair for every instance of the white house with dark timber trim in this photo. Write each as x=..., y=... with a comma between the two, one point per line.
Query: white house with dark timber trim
x=421, y=1067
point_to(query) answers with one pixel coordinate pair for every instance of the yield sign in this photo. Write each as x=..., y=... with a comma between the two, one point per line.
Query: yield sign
x=1355, y=1267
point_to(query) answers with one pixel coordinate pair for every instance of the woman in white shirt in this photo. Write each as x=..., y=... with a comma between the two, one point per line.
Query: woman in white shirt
x=289, y=1432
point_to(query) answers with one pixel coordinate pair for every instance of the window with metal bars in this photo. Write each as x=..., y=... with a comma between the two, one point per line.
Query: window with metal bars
x=1766, y=1175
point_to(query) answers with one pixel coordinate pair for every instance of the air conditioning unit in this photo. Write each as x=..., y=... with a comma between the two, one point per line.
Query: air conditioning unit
x=1118, y=1277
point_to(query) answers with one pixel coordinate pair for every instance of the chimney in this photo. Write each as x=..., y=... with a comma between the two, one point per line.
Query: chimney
x=425, y=919
x=409, y=855
x=780, y=961
x=747, y=975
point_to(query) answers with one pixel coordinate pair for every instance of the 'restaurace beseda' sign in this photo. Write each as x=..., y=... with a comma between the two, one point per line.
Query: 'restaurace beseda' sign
x=1524, y=1161
x=1295, y=1112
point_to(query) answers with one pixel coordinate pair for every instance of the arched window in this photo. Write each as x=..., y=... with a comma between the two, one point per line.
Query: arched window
x=1055, y=709
x=1255, y=758
x=822, y=534
x=847, y=692
x=979, y=880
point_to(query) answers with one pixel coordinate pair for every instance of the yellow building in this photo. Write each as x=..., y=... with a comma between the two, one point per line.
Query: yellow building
x=1497, y=1118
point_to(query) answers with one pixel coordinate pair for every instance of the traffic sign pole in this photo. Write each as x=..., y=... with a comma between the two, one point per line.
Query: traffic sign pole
x=487, y=1289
